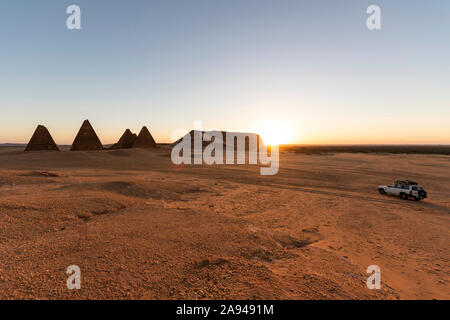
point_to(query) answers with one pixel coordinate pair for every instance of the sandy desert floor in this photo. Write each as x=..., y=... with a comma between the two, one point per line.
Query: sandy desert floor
x=141, y=228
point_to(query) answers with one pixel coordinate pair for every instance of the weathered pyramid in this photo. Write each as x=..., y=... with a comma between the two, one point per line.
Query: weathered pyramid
x=41, y=140
x=144, y=139
x=126, y=141
x=86, y=139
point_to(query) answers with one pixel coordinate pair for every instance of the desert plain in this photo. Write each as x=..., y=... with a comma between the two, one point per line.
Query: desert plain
x=141, y=228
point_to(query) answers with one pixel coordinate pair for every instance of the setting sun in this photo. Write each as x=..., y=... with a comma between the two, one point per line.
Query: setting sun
x=275, y=132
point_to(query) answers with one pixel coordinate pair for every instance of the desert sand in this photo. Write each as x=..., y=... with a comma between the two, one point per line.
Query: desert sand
x=142, y=228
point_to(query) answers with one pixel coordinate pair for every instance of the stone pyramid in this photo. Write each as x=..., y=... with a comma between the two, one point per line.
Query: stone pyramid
x=41, y=140
x=144, y=139
x=86, y=139
x=126, y=141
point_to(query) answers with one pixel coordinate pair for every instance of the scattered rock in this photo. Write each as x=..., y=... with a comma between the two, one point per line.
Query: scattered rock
x=311, y=230
x=85, y=216
x=206, y=262
x=292, y=243
x=46, y=174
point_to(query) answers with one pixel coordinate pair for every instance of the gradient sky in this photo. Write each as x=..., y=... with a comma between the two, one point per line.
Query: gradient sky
x=310, y=66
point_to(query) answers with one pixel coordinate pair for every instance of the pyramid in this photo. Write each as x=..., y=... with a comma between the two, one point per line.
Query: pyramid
x=41, y=140
x=126, y=141
x=144, y=139
x=86, y=139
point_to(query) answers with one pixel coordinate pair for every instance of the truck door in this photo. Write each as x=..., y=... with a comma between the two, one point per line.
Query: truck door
x=391, y=190
x=394, y=190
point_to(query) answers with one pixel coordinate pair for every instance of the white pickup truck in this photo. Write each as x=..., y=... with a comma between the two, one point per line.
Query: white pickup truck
x=404, y=189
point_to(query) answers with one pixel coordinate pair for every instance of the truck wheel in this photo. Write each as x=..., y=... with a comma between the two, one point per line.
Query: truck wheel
x=404, y=196
x=417, y=198
x=381, y=191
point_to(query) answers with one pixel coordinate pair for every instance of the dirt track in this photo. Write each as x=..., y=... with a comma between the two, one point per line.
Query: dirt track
x=141, y=228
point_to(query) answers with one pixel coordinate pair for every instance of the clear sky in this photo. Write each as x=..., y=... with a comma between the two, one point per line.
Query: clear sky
x=310, y=68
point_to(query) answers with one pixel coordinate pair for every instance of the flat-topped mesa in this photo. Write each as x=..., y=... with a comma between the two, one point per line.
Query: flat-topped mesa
x=126, y=141
x=86, y=139
x=235, y=135
x=41, y=141
x=144, y=139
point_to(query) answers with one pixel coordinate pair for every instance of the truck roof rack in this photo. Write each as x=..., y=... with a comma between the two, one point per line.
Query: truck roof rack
x=406, y=182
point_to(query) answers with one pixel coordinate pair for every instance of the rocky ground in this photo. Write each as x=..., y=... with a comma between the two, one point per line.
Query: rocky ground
x=141, y=228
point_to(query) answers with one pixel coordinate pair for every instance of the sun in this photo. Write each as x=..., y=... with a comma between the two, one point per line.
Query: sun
x=275, y=132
